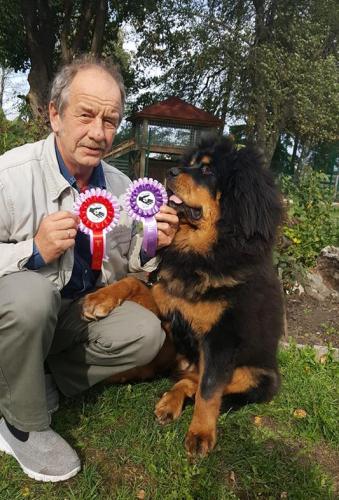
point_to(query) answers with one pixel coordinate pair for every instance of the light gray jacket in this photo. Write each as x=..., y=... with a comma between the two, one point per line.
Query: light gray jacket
x=31, y=187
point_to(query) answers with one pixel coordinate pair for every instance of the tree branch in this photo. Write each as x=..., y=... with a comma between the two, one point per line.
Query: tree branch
x=84, y=24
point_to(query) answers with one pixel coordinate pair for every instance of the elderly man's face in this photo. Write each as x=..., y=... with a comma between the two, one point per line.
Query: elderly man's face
x=87, y=126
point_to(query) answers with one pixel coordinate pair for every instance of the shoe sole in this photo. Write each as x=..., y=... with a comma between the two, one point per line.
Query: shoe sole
x=4, y=446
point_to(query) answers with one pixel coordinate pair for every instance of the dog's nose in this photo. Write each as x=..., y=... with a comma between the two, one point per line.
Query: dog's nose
x=173, y=172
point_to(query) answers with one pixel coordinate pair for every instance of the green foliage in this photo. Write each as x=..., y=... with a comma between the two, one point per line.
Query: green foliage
x=312, y=223
x=270, y=64
x=18, y=132
x=53, y=32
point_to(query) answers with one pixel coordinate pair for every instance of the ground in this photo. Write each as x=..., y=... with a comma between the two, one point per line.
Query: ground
x=287, y=448
x=311, y=321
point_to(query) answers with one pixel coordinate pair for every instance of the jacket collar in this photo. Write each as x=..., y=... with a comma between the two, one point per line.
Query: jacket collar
x=54, y=171
x=56, y=183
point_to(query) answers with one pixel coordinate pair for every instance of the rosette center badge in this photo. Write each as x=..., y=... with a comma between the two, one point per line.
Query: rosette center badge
x=146, y=200
x=96, y=212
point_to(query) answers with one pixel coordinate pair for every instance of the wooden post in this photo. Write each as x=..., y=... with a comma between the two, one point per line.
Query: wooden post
x=143, y=146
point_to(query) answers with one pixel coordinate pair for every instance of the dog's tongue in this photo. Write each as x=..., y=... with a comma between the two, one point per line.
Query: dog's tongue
x=175, y=199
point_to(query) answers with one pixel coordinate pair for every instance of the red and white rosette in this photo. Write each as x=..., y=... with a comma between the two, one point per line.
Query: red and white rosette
x=99, y=212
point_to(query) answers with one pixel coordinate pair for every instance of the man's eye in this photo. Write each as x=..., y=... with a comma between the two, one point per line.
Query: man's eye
x=206, y=170
x=111, y=123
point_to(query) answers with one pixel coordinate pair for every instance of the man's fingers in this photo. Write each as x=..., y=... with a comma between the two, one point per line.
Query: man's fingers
x=64, y=224
x=165, y=228
x=67, y=234
x=165, y=209
x=167, y=214
x=65, y=244
x=63, y=214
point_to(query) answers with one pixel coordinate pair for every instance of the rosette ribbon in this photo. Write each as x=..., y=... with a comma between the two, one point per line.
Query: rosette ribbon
x=99, y=212
x=142, y=201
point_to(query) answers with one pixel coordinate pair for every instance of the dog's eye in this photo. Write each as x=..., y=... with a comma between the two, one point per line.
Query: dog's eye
x=206, y=170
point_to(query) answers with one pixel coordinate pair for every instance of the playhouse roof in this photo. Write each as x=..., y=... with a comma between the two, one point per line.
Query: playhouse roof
x=176, y=110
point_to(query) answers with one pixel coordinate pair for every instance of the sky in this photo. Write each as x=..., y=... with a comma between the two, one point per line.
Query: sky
x=16, y=83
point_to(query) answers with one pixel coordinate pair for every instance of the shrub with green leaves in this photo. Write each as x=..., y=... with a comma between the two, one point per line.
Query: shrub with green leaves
x=19, y=131
x=312, y=223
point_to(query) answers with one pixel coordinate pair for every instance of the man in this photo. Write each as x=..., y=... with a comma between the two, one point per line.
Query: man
x=45, y=267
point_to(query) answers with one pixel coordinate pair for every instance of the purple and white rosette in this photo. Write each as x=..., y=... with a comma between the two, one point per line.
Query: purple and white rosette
x=142, y=201
x=99, y=212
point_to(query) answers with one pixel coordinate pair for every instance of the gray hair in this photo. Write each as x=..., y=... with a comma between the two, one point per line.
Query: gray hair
x=64, y=77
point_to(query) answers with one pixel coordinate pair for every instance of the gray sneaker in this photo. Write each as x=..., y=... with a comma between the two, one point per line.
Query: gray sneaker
x=45, y=456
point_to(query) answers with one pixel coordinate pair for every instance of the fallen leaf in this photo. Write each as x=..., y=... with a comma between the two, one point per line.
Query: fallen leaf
x=258, y=421
x=299, y=413
x=25, y=492
x=283, y=494
x=141, y=495
x=323, y=359
x=231, y=480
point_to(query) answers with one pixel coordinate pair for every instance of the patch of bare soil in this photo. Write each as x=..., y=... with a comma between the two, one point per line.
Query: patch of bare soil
x=312, y=322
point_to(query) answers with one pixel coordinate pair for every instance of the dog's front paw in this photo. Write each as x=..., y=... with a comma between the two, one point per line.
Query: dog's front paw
x=98, y=305
x=169, y=407
x=199, y=444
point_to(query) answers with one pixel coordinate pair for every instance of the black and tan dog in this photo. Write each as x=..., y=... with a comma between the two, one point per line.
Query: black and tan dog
x=217, y=294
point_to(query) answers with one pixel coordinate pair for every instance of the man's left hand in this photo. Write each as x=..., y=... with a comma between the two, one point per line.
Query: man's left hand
x=168, y=223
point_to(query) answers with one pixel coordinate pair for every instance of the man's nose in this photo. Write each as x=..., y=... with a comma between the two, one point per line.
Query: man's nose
x=96, y=130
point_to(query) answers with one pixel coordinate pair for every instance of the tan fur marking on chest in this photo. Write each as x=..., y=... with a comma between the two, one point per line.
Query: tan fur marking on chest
x=202, y=316
x=176, y=286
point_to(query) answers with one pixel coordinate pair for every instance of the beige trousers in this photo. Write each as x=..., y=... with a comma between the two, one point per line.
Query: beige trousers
x=37, y=327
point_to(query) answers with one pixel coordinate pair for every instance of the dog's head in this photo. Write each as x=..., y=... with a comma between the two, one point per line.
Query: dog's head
x=224, y=197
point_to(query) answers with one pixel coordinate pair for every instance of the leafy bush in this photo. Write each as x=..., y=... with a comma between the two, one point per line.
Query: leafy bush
x=312, y=223
x=17, y=132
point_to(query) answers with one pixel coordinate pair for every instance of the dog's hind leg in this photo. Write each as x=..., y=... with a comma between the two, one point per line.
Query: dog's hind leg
x=250, y=385
x=170, y=406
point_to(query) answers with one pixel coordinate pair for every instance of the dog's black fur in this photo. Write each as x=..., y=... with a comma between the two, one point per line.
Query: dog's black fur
x=248, y=331
x=221, y=258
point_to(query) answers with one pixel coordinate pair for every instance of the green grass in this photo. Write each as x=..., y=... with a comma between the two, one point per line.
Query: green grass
x=123, y=449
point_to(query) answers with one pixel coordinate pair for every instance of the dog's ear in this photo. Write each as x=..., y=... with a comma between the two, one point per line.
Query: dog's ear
x=251, y=204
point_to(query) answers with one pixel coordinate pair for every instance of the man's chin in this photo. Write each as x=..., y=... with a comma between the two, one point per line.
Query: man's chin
x=90, y=160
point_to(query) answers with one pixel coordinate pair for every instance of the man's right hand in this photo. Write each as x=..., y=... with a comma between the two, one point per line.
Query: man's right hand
x=56, y=234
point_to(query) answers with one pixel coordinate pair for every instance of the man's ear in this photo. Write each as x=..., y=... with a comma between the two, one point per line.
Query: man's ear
x=54, y=117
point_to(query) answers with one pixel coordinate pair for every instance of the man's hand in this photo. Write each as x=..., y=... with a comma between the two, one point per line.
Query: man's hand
x=167, y=222
x=56, y=234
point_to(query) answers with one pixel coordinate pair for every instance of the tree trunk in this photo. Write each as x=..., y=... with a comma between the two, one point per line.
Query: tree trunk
x=88, y=34
x=99, y=27
x=294, y=154
x=40, y=42
x=3, y=75
x=263, y=126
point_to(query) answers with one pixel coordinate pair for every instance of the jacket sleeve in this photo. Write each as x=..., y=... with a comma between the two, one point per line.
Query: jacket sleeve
x=13, y=255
